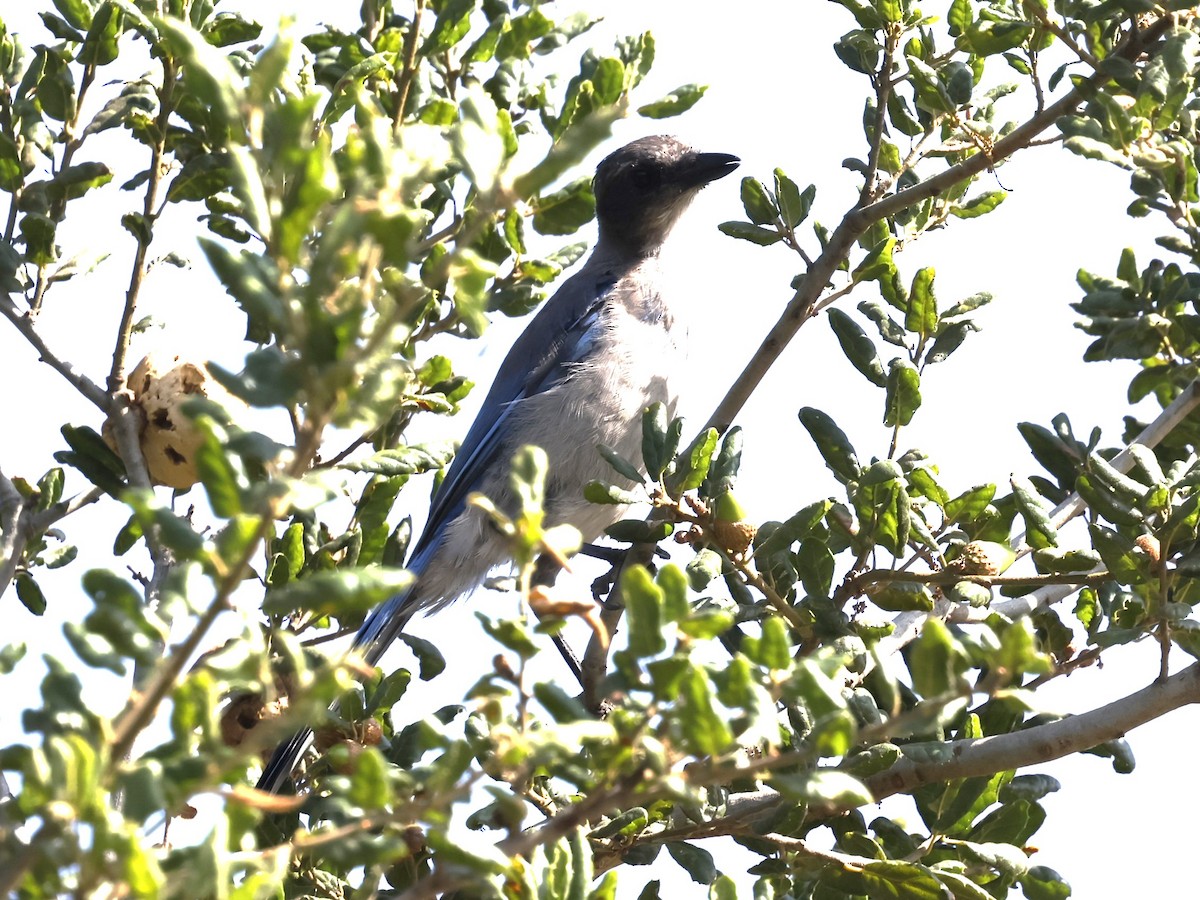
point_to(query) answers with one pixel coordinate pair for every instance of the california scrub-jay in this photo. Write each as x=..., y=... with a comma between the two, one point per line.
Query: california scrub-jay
x=597, y=354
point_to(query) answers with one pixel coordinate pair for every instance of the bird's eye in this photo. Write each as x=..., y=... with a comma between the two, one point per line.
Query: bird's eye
x=644, y=178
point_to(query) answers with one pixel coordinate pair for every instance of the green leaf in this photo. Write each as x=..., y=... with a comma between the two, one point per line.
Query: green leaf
x=564, y=211
x=903, y=393
x=1040, y=531
x=773, y=650
x=832, y=443
x=37, y=233
x=889, y=328
x=696, y=861
x=658, y=449
x=452, y=24
x=989, y=38
x=430, y=659
x=93, y=457
x=639, y=531
x=755, y=234
x=1106, y=503
x=513, y=634
x=962, y=307
x=888, y=878
x=723, y=888
x=706, y=732
x=816, y=565
x=793, y=205
x=673, y=583
x=857, y=347
x=208, y=73
x=891, y=11
x=882, y=503
x=643, y=607
x=937, y=661
x=823, y=786
x=626, y=824
x=561, y=705
x=758, y=203
x=1117, y=551
x=403, y=461
x=1093, y=149
x=678, y=101
x=799, y=526
x=30, y=594
x=703, y=568
x=78, y=12
x=693, y=463
x=10, y=655
x=226, y=29
x=871, y=761
x=960, y=18
x=979, y=205
x=1054, y=455
x=878, y=265
x=723, y=472
x=620, y=464
x=216, y=471
x=897, y=596
x=609, y=494
x=1056, y=561
x=1043, y=883
x=100, y=46
x=60, y=28
x=959, y=81
x=338, y=593
x=1029, y=787
x=949, y=339
x=921, y=317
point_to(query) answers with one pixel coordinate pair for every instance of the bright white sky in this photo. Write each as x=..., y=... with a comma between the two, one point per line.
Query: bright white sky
x=777, y=97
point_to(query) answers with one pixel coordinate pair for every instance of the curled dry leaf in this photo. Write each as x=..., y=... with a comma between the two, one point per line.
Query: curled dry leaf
x=544, y=605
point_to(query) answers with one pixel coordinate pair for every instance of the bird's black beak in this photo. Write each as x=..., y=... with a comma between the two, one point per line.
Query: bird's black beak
x=703, y=168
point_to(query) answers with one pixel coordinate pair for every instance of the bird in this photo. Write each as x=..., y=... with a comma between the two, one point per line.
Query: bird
x=596, y=354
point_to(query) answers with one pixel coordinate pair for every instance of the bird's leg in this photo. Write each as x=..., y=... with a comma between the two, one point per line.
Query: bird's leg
x=545, y=571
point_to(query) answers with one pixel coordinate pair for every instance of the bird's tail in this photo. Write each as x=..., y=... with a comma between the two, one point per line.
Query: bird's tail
x=377, y=633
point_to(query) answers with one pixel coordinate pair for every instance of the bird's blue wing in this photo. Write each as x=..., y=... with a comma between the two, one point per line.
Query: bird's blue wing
x=538, y=359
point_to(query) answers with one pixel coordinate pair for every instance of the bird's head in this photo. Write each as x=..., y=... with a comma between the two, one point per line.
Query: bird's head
x=643, y=188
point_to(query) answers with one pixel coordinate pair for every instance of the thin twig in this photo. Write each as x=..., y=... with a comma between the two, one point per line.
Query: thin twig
x=883, y=87
x=404, y=82
x=858, y=583
x=952, y=760
x=137, y=275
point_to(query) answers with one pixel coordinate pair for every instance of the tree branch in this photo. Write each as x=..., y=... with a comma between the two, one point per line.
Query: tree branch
x=953, y=760
x=404, y=83
x=861, y=218
x=19, y=523
x=1043, y=743
x=137, y=275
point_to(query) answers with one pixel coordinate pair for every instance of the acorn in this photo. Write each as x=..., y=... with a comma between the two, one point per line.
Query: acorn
x=728, y=509
x=983, y=558
x=730, y=527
